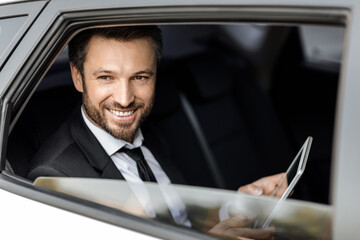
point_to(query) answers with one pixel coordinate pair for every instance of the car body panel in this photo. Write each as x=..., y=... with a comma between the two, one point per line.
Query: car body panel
x=34, y=220
x=346, y=142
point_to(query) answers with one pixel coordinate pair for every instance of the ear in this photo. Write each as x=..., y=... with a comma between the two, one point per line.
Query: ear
x=76, y=77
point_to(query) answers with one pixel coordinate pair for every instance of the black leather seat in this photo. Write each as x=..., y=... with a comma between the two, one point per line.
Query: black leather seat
x=222, y=94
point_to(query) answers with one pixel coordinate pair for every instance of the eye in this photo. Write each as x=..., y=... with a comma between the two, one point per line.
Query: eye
x=141, y=77
x=104, y=77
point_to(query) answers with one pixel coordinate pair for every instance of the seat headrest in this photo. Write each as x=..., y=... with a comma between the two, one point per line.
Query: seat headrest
x=166, y=94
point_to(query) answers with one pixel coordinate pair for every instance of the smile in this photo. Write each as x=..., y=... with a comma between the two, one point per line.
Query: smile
x=121, y=114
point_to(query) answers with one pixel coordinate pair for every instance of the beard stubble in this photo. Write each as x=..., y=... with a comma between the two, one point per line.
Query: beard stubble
x=124, y=131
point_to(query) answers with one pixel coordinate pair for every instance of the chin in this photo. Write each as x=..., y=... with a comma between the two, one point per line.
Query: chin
x=128, y=137
x=127, y=134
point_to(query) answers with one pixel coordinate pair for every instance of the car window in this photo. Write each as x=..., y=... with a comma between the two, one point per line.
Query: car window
x=215, y=74
x=14, y=21
x=237, y=123
x=9, y=27
x=228, y=112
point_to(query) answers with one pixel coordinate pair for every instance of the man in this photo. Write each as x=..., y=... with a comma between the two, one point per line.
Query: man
x=115, y=70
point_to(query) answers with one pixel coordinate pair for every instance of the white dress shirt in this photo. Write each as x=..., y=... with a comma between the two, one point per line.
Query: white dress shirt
x=128, y=169
x=122, y=161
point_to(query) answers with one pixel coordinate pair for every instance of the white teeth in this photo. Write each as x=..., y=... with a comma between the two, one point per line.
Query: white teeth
x=122, y=114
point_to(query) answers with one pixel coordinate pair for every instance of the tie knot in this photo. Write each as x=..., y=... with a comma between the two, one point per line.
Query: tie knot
x=143, y=168
x=134, y=153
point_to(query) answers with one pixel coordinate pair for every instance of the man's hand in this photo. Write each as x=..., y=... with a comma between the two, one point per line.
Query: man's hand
x=266, y=186
x=236, y=227
x=240, y=226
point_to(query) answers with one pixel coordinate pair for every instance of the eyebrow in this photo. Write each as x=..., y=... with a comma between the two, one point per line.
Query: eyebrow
x=104, y=71
x=149, y=72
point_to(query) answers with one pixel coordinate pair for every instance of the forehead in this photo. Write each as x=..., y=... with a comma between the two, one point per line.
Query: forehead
x=120, y=56
x=142, y=43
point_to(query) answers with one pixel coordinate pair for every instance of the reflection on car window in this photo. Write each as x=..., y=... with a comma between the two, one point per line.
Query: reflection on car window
x=322, y=45
x=200, y=209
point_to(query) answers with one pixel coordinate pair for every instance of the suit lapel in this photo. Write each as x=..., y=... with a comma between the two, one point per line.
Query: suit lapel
x=102, y=163
x=92, y=149
x=158, y=147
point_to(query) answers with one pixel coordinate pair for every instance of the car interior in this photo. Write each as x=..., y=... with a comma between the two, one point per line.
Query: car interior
x=215, y=109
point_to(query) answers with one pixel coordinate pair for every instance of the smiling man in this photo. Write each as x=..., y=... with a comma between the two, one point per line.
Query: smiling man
x=115, y=70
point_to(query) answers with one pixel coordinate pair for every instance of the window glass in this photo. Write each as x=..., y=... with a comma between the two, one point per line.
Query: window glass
x=201, y=209
x=248, y=101
x=322, y=45
x=9, y=27
x=228, y=111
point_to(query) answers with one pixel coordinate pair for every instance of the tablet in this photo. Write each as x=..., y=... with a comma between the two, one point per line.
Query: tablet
x=293, y=174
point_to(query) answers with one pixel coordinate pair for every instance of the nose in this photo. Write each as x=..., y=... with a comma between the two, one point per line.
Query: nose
x=123, y=93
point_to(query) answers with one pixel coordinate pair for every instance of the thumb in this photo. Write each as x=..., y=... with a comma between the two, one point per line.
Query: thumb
x=251, y=189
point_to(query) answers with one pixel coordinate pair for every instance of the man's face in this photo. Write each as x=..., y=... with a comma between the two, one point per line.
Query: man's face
x=118, y=85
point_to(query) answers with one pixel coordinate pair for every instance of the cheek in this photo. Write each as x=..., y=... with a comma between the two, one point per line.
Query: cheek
x=147, y=94
x=97, y=94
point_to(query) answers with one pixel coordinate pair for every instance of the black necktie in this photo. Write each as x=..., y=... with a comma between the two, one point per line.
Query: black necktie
x=144, y=170
x=163, y=213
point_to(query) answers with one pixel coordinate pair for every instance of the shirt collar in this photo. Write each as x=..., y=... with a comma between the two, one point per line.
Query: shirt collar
x=110, y=144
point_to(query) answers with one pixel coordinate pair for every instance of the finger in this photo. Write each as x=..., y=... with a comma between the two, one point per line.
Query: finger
x=273, y=178
x=269, y=184
x=282, y=188
x=234, y=222
x=237, y=221
x=251, y=189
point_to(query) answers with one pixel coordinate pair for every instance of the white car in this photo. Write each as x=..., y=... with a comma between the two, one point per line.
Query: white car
x=240, y=87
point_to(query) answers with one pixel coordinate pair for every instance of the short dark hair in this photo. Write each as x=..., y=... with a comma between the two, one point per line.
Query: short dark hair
x=78, y=45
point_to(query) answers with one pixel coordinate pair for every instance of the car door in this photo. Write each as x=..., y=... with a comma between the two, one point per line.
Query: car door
x=33, y=50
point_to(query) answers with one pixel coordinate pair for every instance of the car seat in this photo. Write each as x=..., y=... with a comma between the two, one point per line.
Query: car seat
x=50, y=105
x=212, y=84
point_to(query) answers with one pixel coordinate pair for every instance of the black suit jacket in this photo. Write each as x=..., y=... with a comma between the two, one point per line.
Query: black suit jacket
x=74, y=151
